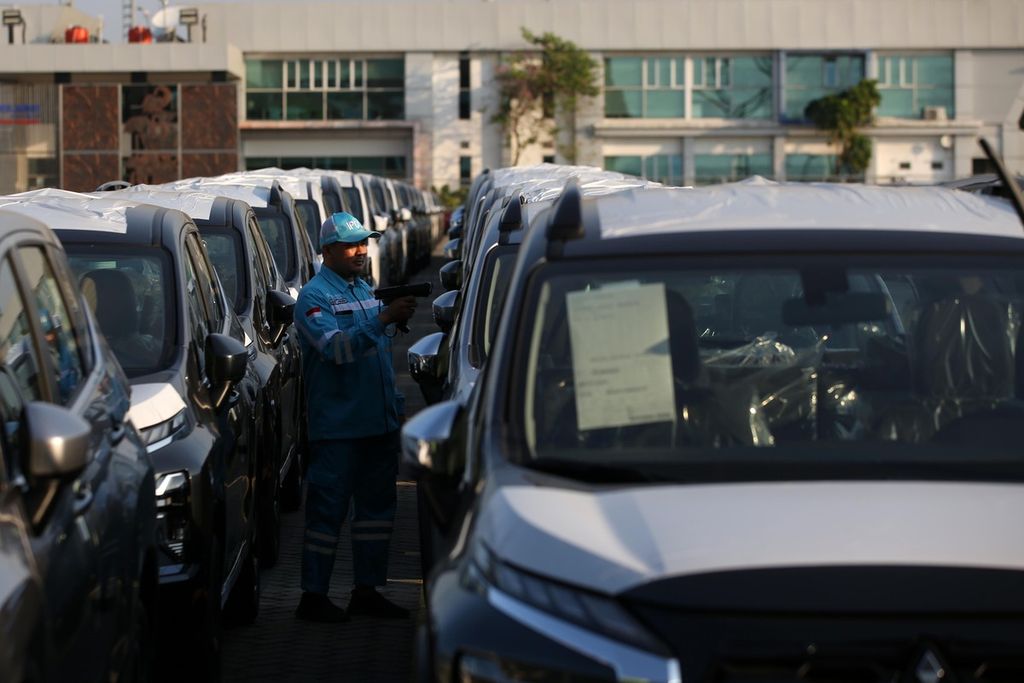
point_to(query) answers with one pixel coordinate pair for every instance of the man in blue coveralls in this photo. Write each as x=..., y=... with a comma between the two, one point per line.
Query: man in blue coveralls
x=354, y=413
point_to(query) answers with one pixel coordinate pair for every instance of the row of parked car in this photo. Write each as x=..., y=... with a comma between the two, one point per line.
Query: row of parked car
x=740, y=433
x=153, y=407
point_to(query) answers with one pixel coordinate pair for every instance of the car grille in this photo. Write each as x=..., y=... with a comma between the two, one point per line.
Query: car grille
x=785, y=648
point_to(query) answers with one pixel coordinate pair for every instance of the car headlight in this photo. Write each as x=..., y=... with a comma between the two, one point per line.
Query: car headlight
x=592, y=611
x=162, y=433
x=172, y=515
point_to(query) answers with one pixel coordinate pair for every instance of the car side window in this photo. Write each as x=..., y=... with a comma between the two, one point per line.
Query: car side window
x=19, y=375
x=262, y=252
x=195, y=312
x=55, y=322
x=68, y=283
x=211, y=293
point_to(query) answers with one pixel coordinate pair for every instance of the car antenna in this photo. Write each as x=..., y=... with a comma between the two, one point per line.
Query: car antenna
x=1016, y=198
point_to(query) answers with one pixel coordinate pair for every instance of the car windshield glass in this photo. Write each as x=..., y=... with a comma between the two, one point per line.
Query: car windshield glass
x=224, y=246
x=310, y=215
x=776, y=358
x=277, y=232
x=130, y=293
x=492, y=295
x=355, y=204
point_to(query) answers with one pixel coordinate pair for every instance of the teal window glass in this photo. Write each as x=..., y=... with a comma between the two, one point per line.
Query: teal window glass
x=910, y=84
x=263, y=106
x=623, y=104
x=385, y=105
x=623, y=71
x=816, y=167
x=744, y=92
x=632, y=165
x=385, y=73
x=262, y=73
x=664, y=168
x=665, y=104
x=344, y=105
x=727, y=168
x=332, y=68
x=303, y=67
x=809, y=77
x=305, y=106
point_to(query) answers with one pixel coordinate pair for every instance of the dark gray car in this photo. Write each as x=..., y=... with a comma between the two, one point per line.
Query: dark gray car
x=78, y=563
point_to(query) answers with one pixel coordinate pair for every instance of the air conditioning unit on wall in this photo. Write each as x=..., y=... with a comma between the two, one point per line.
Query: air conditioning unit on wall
x=935, y=114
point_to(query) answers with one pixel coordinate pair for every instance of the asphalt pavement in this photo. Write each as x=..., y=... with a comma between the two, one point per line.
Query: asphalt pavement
x=280, y=648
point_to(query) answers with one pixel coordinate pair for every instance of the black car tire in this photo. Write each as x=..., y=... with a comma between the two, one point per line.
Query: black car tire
x=244, y=603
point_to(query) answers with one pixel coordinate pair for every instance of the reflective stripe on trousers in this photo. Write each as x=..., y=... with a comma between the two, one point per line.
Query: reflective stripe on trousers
x=344, y=471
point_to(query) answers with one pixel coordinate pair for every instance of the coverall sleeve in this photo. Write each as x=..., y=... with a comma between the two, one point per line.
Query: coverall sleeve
x=315, y=318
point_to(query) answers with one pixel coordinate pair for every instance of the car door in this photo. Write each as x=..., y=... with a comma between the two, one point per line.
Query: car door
x=67, y=529
x=236, y=417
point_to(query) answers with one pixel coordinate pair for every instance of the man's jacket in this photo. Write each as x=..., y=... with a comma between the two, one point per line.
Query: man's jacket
x=346, y=360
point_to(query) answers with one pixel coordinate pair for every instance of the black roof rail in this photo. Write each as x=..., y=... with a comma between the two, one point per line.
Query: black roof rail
x=275, y=194
x=1016, y=198
x=567, y=218
x=511, y=219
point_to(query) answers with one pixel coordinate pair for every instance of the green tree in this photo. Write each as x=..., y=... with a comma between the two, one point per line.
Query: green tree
x=551, y=82
x=843, y=115
x=450, y=198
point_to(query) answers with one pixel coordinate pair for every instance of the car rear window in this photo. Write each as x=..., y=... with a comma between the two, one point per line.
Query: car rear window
x=130, y=292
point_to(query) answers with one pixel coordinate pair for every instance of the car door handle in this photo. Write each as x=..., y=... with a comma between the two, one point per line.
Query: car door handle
x=83, y=499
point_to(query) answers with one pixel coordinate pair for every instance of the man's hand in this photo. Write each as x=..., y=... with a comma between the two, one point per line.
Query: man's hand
x=398, y=311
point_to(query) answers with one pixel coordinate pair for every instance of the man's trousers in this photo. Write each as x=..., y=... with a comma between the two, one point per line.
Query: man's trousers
x=340, y=471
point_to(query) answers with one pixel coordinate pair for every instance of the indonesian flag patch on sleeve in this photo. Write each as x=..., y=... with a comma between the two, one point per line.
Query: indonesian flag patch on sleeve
x=313, y=313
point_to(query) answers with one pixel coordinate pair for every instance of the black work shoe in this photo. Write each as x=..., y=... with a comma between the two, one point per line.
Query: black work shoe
x=368, y=602
x=316, y=607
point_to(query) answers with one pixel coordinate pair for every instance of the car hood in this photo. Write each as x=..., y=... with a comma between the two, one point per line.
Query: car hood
x=153, y=404
x=615, y=540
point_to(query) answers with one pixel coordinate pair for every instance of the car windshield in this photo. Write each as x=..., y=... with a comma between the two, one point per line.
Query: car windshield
x=795, y=358
x=309, y=214
x=224, y=246
x=355, y=204
x=277, y=232
x=130, y=293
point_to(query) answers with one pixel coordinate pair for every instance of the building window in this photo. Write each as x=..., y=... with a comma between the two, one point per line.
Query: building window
x=732, y=87
x=465, y=171
x=914, y=87
x=385, y=166
x=548, y=159
x=727, y=168
x=810, y=77
x=816, y=168
x=662, y=168
x=644, y=87
x=464, y=96
x=325, y=89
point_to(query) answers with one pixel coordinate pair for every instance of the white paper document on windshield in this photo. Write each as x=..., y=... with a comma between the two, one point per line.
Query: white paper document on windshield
x=620, y=355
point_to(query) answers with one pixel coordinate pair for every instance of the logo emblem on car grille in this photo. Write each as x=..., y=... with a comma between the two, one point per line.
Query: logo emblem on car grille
x=930, y=669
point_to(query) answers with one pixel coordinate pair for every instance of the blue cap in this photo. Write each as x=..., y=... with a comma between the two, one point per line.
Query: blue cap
x=343, y=227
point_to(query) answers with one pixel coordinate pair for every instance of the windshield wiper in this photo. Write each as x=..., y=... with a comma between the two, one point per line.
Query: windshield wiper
x=597, y=473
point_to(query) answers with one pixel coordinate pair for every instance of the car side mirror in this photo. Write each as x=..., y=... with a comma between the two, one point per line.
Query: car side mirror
x=58, y=441
x=427, y=449
x=453, y=250
x=423, y=366
x=404, y=214
x=444, y=310
x=451, y=275
x=380, y=222
x=226, y=361
x=280, y=312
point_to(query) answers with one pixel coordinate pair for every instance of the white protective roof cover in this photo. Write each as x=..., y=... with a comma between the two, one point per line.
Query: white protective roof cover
x=293, y=181
x=759, y=203
x=253, y=191
x=195, y=203
x=64, y=210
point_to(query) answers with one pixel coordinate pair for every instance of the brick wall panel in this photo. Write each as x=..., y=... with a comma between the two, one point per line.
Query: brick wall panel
x=208, y=164
x=209, y=117
x=84, y=172
x=91, y=117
